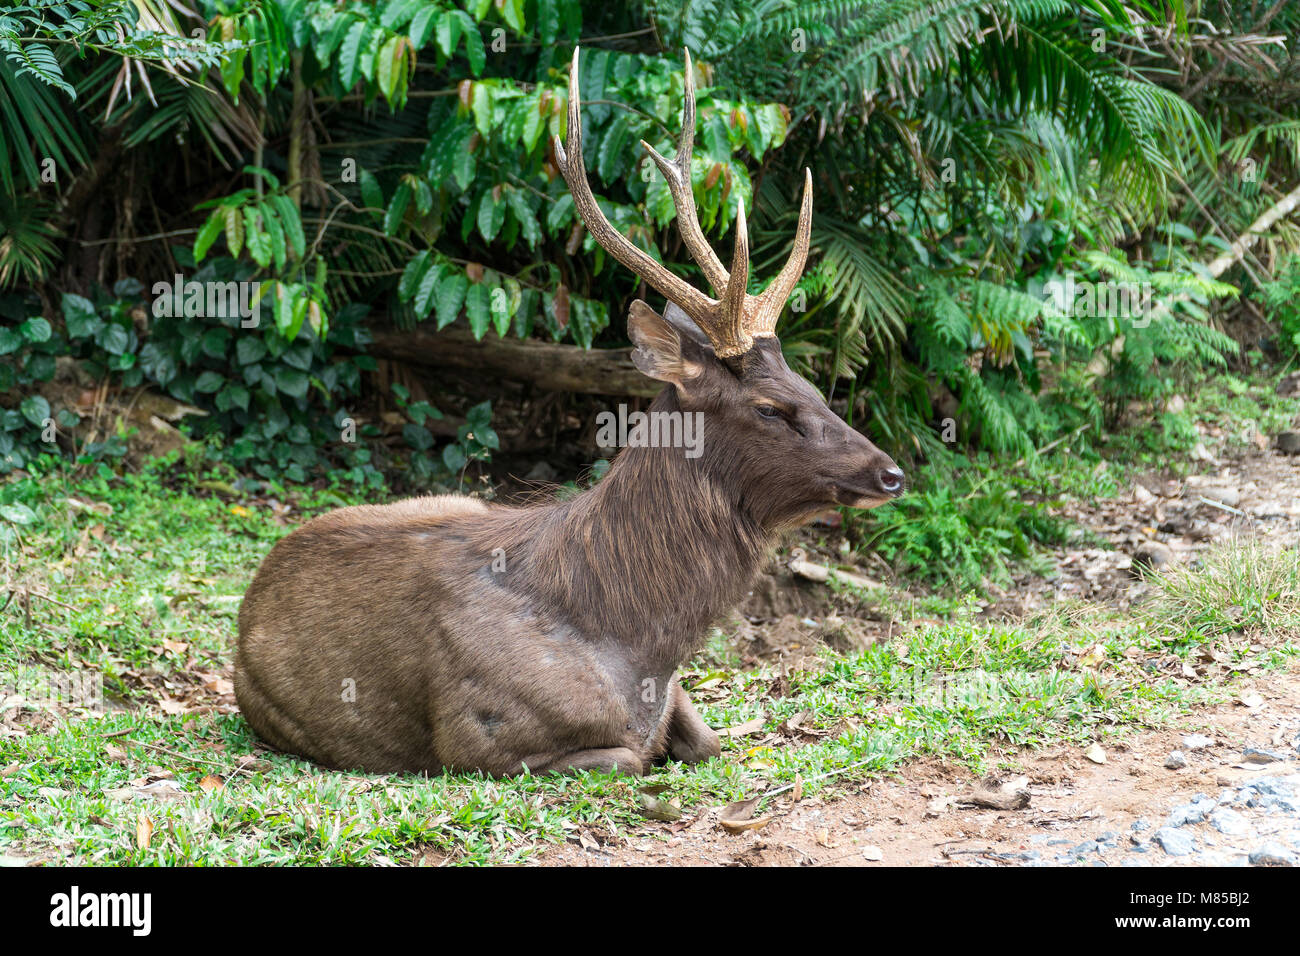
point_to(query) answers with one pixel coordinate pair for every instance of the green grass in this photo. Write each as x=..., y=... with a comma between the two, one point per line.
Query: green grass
x=171, y=760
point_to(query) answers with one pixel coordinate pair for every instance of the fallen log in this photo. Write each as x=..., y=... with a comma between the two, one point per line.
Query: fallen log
x=548, y=365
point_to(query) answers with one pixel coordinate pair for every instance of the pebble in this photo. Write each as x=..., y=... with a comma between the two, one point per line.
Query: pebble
x=1272, y=854
x=1229, y=822
x=1175, y=842
x=1260, y=755
x=1175, y=761
x=1197, y=742
x=1190, y=813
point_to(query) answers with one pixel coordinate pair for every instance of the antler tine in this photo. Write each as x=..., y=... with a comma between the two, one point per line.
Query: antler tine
x=574, y=170
x=733, y=298
x=677, y=173
x=772, y=300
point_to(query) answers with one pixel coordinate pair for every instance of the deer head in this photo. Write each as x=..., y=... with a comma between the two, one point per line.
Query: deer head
x=768, y=427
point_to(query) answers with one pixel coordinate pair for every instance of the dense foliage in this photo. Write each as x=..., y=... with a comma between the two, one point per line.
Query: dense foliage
x=389, y=163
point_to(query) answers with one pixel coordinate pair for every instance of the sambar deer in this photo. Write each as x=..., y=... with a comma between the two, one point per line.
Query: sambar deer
x=446, y=633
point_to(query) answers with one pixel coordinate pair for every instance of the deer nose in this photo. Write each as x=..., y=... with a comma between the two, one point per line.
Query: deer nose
x=891, y=480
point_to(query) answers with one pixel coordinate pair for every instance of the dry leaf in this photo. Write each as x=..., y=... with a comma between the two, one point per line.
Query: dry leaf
x=745, y=729
x=1095, y=754
x=210, y=783
x=143, y=832
x=824, y=839
x=798, y=788
x=656, y=809
x=873, y=853
x=738, y=817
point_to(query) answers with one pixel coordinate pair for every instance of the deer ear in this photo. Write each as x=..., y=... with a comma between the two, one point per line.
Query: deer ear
x=658, y=351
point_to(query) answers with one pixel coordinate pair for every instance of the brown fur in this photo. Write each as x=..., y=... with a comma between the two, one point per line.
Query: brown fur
x=492, y=638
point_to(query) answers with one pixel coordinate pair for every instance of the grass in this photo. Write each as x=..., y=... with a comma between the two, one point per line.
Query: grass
x=136, y=578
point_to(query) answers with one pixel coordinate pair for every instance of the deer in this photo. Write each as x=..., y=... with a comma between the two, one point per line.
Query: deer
x=449, y=634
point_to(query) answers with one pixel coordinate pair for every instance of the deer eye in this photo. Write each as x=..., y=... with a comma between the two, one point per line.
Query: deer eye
x=767, y=411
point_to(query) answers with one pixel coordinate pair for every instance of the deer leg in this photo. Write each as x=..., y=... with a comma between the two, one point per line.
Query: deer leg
x=690, y=739
x=608, y=759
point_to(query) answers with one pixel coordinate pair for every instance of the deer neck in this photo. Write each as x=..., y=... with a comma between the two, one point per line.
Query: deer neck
x=653, y=554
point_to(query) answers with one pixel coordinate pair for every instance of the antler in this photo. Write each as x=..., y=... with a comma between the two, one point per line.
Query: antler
x=731, y=322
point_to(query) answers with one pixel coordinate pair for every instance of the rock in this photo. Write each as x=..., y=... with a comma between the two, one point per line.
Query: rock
x=1229, y=822
x=1272, y=854
x=1141, y=496
x=1278, y=786
x=873, y=853
x=1197, y=742
x=1290, y=385
x=1260, y=755
x=1175, y=761
x=1153, y=556
x=1140, y=825
x=1288, y=443
x=1175, y=842
x=1095, y=754
x=1190, y=813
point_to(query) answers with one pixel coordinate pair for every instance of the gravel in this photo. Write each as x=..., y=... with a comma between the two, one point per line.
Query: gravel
x=1255, y=823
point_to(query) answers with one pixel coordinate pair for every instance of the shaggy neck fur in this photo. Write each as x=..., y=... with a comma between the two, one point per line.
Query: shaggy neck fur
x=652, y=555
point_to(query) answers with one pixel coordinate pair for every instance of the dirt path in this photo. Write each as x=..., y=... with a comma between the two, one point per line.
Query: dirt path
x=1079, y=812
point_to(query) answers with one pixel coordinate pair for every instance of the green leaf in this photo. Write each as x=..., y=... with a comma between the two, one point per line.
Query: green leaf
x=113, y=339
x=18, y=513
x=422, y=25
x=291, y=381
x=250, y=349
x=36, y=329
x=478, y=302
x=350, y=53
x=397, y=209
x=371, y=194
x=208, y=234
x=79, y=316
x=209, y=381
x=451, y=295
x=528, y=225
x=474, y=50
x=424, y=297
x=491, y=215
x=292, y=223
x=257, y=240
x=411, y=276
x=454, y=458
x=390, y=67
x=35, y=409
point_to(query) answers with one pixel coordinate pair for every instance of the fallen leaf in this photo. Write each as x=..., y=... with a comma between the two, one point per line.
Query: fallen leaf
x=143, y=832
x=873, y=853
x=798, y=788
x=1095, y=754
x=1251, y=700
x=656, y=809
x=824, y=839
x=210, y=783
x=738, y=817
x=745, y=729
